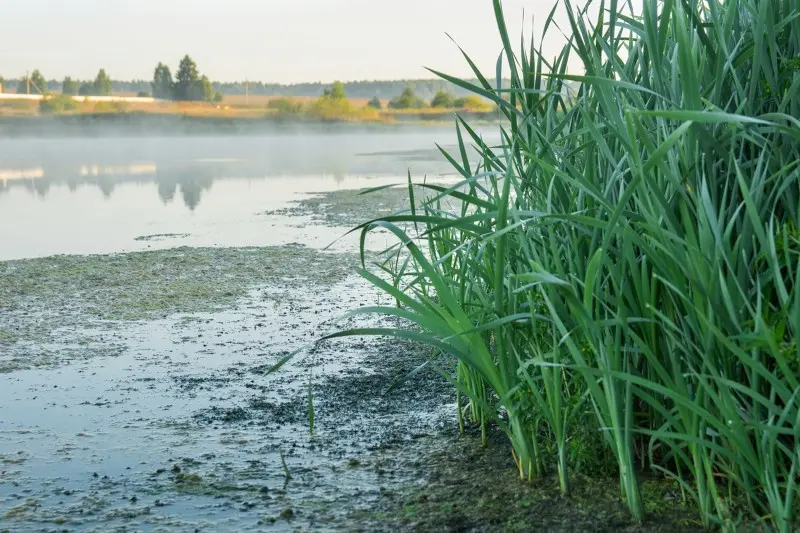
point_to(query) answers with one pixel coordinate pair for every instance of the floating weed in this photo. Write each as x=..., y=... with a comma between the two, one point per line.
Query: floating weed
x=63, y=306
x=20, y=511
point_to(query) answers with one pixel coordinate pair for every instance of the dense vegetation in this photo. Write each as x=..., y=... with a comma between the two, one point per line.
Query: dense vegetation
x=188, y=84
x=617, y=284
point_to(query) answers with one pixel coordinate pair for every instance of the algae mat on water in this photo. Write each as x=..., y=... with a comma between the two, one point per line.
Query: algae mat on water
x=348, y=208
x=57, y=308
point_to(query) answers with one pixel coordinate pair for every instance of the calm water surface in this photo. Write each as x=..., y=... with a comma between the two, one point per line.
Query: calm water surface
x=94, y=443
x=98, y=195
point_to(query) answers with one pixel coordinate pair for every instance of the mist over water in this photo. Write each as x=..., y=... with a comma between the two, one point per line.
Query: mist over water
x=98, y=195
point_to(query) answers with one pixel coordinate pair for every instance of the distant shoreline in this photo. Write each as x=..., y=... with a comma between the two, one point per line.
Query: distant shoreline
x=138, y=123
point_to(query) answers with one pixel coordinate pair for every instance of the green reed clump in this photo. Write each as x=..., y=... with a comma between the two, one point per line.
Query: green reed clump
x=627, y=259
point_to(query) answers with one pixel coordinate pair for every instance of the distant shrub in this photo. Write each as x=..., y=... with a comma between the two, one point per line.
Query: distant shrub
x=472, y=102
x=444, y=99
x=57, y=104
x=218, y=97
x=286, y=106
x=375, y=103
x=143, y=94
x=324, y=109
x=330, y=108
x=335, y=92
x=407, y=100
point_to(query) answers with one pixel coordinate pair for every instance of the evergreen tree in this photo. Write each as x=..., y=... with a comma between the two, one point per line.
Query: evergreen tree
x=186, y=81
x=102, y=84
x=207, y=89
x=162, y=83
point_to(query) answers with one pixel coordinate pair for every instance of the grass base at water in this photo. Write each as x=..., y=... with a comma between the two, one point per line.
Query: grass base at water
x=468, y=487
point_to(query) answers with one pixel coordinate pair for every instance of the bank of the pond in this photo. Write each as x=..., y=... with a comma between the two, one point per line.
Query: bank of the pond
x=470, y=488
x=149, y=123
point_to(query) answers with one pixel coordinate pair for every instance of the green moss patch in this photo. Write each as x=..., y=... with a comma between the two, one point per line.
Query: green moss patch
x=62, y=308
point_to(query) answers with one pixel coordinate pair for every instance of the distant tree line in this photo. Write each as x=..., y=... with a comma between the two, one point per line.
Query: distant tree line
x=36, y=84
x=382, y=90
x=443, y=99
x=188, y=84
x=334, y=104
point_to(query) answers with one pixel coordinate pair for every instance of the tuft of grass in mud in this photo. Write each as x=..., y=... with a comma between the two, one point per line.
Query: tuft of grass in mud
x=48, y=305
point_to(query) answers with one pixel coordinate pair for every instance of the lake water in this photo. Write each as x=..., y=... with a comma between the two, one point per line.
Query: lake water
x=165, y=420
x=98, y=195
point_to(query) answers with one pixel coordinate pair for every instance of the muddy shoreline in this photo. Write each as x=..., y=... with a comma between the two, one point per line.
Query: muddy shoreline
x=136, y=396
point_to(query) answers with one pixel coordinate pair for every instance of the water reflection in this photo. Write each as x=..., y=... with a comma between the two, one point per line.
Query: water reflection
x=192, y=180
x=188, y=166
x=102, y=194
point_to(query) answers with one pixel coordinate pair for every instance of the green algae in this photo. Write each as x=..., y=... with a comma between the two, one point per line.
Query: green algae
x=147, y=285
x=13, y=459
x=348, y=208
x=20, y=511
x=63, y=308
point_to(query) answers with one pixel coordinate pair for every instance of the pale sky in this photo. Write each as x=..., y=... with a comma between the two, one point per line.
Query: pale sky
x=282, y=41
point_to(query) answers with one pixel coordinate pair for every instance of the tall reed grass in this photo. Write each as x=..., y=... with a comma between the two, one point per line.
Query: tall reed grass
x=627, y=258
